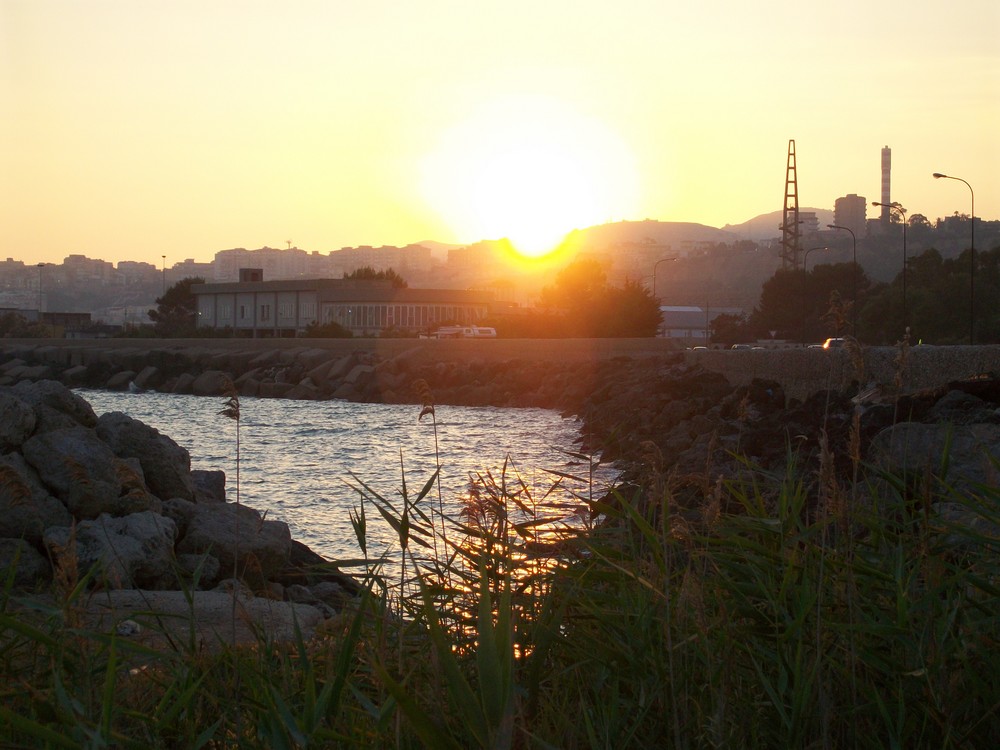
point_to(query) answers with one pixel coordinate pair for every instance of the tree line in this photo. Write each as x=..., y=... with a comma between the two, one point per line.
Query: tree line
x=931, y=299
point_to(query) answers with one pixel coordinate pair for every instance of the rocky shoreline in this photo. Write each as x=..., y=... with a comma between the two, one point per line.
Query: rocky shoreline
x=82, y=492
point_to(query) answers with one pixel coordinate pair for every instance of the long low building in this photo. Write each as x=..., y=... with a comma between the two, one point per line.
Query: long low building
x=285, y=308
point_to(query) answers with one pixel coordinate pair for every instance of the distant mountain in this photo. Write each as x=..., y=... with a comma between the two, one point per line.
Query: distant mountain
x=657, y=232
x=765, y=226
x=438, y=249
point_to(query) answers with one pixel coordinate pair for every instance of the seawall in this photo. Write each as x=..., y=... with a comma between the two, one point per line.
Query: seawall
x=501, y=372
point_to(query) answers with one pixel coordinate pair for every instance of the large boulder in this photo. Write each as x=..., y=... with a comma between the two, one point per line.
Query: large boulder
x=129, y=552
x=957, y=454
x=55, y=405
x=77, y=467
x=17, y=421
x=26, y=507
x=28, y=565
x=240, y=538
x=165, y=465
x=211, y=383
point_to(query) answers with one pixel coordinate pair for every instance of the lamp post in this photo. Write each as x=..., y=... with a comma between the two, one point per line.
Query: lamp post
x=40, y=267
x=164, y=277
x=805, y=257
x=972, y=254
x=894, y=206
x=661, y=260
x=854, y=305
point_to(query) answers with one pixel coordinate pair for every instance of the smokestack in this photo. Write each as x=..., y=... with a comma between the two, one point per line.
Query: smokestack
x=886, y=177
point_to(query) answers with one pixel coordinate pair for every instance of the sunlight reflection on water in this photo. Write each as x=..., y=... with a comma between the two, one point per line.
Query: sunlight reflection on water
x=298, y=456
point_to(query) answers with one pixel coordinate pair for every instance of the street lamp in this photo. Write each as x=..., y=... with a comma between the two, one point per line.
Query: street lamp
x=894, y=206
x=972, y=254
x=661, y=260
x=805, y=257
x=854, y=306
x=40, y=267
x=164, y=285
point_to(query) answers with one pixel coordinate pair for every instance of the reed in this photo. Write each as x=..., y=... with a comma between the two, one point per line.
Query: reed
x=789, y=612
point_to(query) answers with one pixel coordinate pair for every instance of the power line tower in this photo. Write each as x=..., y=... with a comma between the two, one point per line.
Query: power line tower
x=790, y=231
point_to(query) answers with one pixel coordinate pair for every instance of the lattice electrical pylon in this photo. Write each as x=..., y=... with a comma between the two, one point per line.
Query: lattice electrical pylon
x=790, y=225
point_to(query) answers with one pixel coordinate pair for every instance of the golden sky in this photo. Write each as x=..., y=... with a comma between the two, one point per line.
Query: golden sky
x=132, y=129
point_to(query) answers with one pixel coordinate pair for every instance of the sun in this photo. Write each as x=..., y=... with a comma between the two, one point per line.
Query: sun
x=531, y=170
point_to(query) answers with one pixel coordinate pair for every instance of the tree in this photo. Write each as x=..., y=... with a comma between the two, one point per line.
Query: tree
x=331, y=330
x=576, y=285
x=797, y=304
x=367, y=273
x=727, y=328
x=626, y=312
x=176, y=311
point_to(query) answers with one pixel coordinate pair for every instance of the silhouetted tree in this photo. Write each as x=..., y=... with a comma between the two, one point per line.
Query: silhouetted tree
x=796, y=304
x=727, y=328
x=367, y=273
x=176, y=311
x=331, y=330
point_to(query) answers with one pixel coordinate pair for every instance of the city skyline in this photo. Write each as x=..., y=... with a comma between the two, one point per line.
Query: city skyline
x=145, y=129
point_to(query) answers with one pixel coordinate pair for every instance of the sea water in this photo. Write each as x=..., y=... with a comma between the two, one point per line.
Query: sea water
x=305, y=462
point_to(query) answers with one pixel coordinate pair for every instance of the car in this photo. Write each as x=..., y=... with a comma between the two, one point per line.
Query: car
x=835, y=343
x=741, y=347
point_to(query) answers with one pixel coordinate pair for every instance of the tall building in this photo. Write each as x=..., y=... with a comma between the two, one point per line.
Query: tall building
x=851, y=211
x=886, y=174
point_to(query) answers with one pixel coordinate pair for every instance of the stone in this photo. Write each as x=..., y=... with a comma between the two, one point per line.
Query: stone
x=209, y=485
x=165, y=465
x=120, y=380
x=26, y=507
x=211, y=383
x=215, y=618
x=240, y=538
x=912, y=448
x=148, y=377
x=29, y=567
x=77, y=467
x=55, y=405
x=127, y=552
x=17, y=421
x=183, y=383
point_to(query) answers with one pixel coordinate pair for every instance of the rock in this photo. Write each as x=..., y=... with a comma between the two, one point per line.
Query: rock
x=55, y=405
x=216, y=618
x=30, y=568
x=273, y=390
x=238, y=536
x=120, y=380
x=959, y=407
x=148, y=377
x=166, y=465
x=17, y=421
x=77, y=467
x=209, y=485
x=199, y=568
x=74, y=375
x=911, y=448
x=26, y=507
x=183, y=383
x=130, y=551
x=211, y=383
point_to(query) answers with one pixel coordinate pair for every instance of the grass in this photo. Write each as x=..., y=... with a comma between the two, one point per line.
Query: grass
x=786, y=613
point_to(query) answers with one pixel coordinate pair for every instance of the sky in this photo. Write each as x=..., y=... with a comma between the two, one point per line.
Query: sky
x=134, y=129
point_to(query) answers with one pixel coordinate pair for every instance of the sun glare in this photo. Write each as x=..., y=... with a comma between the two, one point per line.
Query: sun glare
x=530, y=170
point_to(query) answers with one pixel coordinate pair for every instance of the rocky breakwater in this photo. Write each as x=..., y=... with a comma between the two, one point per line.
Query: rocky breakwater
x=110, y=500
x=680, y=425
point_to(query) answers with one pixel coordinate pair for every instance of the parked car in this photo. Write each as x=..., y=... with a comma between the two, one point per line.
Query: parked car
x=741, y=347
x=836, y=343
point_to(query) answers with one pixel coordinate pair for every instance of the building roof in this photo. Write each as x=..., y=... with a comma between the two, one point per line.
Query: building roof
x=350, y=290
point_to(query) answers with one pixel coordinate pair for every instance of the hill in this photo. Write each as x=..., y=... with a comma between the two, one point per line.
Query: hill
x=765, y=226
